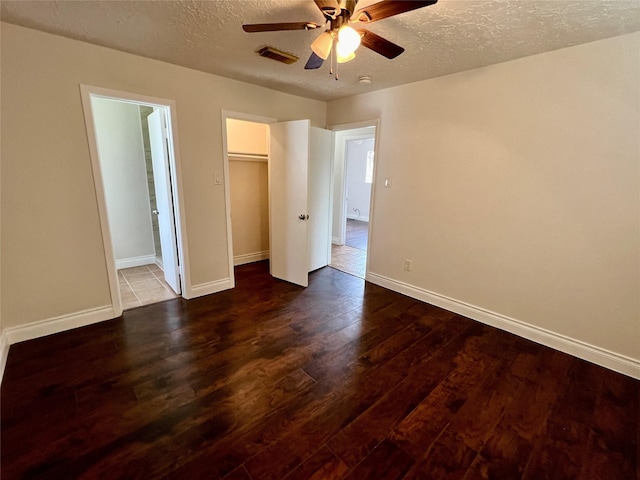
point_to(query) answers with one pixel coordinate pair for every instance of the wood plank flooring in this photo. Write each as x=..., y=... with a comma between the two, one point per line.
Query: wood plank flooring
x=357, y=234
x=340, y=380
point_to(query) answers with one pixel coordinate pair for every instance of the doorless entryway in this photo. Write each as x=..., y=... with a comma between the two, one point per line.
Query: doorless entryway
x=135, y=173
x=353, y=185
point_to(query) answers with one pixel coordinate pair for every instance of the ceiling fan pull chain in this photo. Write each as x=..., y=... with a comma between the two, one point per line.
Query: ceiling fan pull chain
x=331, y=58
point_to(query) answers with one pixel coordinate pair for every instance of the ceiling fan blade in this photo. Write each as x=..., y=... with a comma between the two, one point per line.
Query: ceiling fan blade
x=314, y=62
x=380, y=45
x=274, y=27
x=388, y=8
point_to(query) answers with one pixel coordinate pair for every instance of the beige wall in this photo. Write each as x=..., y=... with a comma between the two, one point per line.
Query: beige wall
x=247, y=137
x=516, y=189
x=249, y=189
x=47, y=185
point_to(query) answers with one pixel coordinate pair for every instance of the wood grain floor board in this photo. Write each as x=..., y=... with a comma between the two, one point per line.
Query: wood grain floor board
x=342, y=379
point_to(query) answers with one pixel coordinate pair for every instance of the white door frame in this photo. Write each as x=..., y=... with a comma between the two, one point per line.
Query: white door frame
x=247, y=117
x=86, y=93
x=354, y=126
x=343, y=210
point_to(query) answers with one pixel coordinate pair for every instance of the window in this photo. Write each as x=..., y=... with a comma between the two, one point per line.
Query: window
x=368, y=173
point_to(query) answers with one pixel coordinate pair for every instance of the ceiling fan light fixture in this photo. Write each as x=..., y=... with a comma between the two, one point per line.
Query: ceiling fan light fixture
x=348, y=40
x=321, y=46
x=341, y=58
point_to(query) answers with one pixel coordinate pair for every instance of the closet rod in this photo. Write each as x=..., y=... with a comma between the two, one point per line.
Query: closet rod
x=247, y=157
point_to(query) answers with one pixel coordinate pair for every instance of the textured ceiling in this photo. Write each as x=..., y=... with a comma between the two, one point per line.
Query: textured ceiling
x=449, y=37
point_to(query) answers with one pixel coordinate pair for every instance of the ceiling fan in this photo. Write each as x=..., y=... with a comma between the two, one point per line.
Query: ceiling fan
x=345, y=28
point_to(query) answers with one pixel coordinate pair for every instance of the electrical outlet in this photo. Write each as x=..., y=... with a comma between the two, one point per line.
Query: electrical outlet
x=407, y=265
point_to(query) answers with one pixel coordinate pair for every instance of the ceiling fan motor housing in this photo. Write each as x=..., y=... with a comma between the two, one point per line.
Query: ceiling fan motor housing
x=348, y=5
x=341, y=9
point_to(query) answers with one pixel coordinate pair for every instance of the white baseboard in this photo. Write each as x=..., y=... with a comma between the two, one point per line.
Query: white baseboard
x=250, y=258
x=135, y=261
x=600, y=356
x=50, y=326
x=4, y=352
x=360, y=218
x=203, y=289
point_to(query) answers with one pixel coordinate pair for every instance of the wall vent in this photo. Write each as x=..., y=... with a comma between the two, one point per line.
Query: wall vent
x=278, y=55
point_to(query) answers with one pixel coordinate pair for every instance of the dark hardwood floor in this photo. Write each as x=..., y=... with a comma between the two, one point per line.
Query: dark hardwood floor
x=340, y=380
x=357, y=234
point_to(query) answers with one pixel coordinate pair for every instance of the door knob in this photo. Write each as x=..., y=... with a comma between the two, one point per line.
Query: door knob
x=155, y=212
x=303, y=217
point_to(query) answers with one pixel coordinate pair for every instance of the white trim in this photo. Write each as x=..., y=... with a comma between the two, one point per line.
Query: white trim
x=250, y=257
x=135, y=261
x=209, y=288
x=600, y=356
x=336, y=241
x=59, y=324
x=4, y=353
x=86, y=92
x=114, y=288
x=358, y=217
x=374, y=122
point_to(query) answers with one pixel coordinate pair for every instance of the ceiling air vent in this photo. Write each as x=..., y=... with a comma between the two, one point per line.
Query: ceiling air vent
x=278, y=55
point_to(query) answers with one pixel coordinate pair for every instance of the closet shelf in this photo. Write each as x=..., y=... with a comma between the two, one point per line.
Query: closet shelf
x=247, y=157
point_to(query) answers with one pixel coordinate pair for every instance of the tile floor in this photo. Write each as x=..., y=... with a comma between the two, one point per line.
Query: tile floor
x=352, y=257
x=349, y=260
x=143, y=286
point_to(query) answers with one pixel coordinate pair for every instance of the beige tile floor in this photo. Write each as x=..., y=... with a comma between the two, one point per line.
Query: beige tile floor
x=352, y=257
x=349, y=260
x=143, y=286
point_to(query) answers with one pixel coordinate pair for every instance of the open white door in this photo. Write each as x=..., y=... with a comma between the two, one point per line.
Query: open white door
x=288, y=167
x=319, y=198
x=162, y=183
x=299, y=193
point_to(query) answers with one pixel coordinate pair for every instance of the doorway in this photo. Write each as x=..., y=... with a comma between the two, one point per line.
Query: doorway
x=354, y=163
x=134, y=169
x=245, y=148
x=277, y=185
